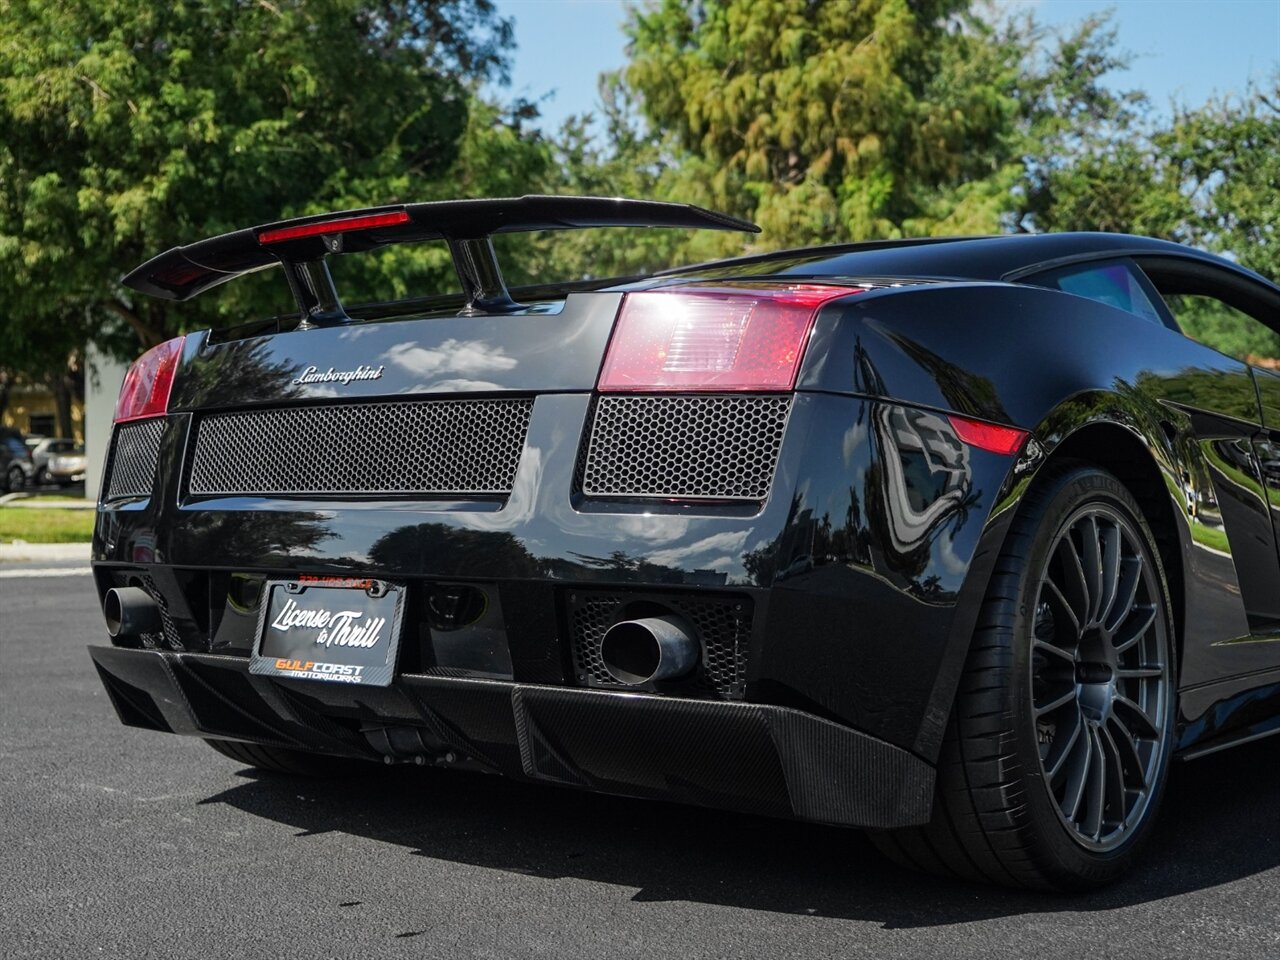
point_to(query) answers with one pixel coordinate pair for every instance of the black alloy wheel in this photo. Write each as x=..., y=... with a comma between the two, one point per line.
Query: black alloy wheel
x=15, y=479
x=1057, y=752
x=1100, y=678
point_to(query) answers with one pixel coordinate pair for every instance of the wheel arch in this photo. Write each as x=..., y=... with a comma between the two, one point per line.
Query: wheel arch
x=1146, y=446
x=1121, y=449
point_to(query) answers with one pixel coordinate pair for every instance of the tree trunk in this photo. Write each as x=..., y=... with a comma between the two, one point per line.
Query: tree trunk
x=62, y=398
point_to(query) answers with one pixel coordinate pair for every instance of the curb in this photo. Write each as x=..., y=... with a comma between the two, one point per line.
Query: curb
x=43, y=552
x=35, y=501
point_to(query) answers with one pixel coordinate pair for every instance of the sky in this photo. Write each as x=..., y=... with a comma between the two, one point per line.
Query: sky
x=1186, y=50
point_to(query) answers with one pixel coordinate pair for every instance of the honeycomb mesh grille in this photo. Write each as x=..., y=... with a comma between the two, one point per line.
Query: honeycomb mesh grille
x=422, y=447
x=133, y=459
x=722, y=625
x=704, y=448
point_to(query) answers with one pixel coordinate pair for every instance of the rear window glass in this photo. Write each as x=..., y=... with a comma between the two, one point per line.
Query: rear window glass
x=1114, y=284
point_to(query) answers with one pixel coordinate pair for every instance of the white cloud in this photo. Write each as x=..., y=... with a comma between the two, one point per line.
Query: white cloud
x=654, y=527
x=466, y=357
x=854, y=438
x=456, y=385
x=716, y=543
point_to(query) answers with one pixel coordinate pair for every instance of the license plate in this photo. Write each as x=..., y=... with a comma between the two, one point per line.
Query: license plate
x=336, y=629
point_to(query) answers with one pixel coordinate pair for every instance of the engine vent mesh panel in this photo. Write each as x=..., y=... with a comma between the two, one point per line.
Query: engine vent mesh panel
x=688, y=447
x=422, y=447
x=722, y=625
x=133, y=459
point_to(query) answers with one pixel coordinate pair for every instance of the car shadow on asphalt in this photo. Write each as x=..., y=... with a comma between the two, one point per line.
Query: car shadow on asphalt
x=1215, y=828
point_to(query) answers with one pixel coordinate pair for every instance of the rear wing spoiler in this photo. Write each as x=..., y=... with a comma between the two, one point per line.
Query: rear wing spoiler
x=302, y=244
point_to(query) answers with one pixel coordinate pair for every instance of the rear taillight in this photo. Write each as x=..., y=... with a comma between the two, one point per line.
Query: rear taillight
x=145, y=391
x=713, y=338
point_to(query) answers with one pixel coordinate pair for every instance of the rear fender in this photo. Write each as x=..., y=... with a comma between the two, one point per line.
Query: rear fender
x=1060, y=366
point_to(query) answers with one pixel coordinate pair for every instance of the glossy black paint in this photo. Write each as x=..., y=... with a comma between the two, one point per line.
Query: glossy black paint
x=819, y=543
x=559, y=349
x=1012, y=257
x=1195, y=412
x=188, y=271
x=868, y=563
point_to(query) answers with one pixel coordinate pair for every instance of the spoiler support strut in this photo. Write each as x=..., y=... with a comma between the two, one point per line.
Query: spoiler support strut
x=482, y=283
x=312, y=286
x=301, y=245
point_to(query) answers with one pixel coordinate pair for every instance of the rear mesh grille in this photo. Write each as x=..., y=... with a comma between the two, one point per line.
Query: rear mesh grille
x=423, y=447
x=688, y=447
x=133, y=459
x=722, y=625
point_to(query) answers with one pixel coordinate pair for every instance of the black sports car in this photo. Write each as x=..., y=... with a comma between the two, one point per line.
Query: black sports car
x=958, y=540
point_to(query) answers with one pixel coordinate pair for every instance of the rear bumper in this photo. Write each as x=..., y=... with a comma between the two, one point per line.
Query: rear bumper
x=856, y=572
x=751, y=757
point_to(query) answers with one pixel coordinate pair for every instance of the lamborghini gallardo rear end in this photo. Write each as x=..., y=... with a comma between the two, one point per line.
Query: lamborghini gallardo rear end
x=590, y=540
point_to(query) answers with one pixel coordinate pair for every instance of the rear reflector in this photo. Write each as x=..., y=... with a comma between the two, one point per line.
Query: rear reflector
x=145, y=391
x=343, y=225
x=713, y=338
x=988, y=436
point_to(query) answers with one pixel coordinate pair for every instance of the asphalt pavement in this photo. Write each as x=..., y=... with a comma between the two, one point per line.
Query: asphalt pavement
x=124, y=843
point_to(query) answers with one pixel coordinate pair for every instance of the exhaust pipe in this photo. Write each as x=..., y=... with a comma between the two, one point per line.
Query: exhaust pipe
x=130, y=611
x=655, y=648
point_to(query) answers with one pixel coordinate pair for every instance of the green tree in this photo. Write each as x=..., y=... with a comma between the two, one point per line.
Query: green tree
x=1204, y=176
x=1084, y=154
x=1227, y=161
x=127, y=127
x=832, y=121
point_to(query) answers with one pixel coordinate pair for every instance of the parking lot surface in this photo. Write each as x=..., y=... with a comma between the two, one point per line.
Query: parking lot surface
x=125, y=843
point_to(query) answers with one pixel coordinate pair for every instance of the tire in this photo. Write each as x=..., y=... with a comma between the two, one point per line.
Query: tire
x=1038, y=786
x=15, y=479
x=294, y=763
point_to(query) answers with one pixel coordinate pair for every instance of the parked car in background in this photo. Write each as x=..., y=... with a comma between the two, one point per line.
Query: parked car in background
x=59, y=460
x=16, y=470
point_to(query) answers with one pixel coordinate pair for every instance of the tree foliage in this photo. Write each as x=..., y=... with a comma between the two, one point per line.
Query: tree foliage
x=829, y=121
x=127, y=127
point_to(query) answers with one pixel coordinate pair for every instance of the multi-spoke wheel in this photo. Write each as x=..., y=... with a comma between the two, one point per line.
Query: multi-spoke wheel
x=1100, y=678
x=1056, y=755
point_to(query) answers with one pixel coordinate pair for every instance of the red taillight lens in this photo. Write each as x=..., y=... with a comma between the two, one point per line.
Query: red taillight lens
x=988, y=436
x=145, y=391
x=722, y=338
x=341, y=225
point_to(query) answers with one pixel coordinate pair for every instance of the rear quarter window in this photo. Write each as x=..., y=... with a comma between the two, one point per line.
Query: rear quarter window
x=1116, y=284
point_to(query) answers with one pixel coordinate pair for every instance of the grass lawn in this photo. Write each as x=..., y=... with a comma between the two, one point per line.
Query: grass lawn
x=35, y=525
